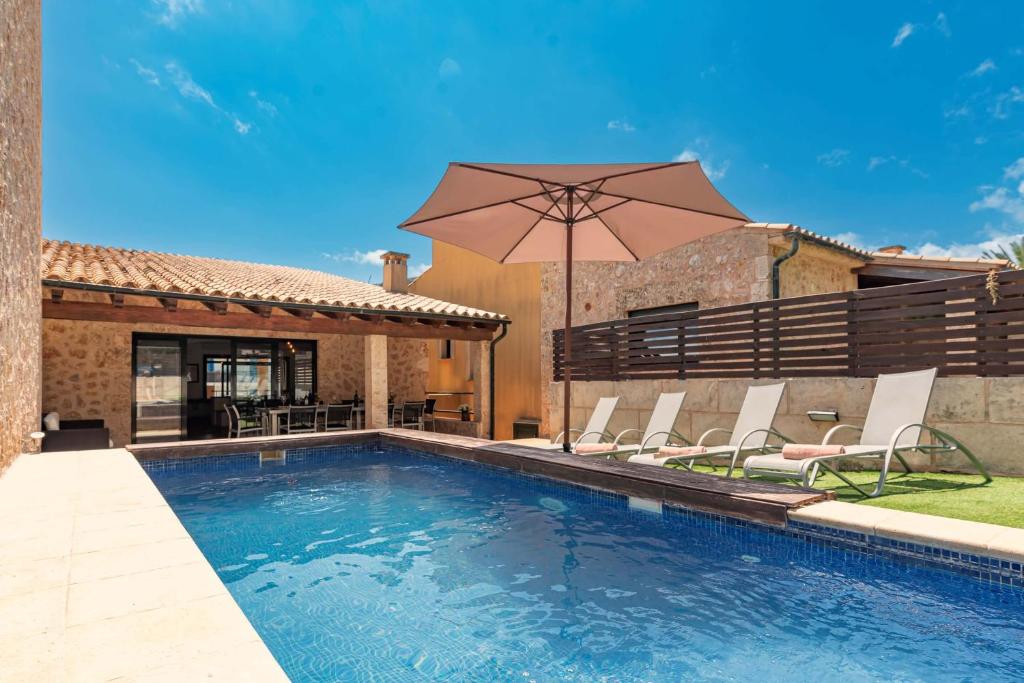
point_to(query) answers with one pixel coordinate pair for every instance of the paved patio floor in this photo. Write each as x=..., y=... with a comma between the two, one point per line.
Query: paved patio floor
x=100, y=581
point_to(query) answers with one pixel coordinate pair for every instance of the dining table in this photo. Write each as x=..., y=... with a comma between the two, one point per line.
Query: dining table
x=274, y=418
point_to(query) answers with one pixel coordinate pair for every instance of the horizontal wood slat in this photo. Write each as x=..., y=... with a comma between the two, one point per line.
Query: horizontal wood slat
x=953, y=324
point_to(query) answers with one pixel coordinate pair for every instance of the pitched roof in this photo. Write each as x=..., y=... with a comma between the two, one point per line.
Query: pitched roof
x=910, y=260
x=152, y=272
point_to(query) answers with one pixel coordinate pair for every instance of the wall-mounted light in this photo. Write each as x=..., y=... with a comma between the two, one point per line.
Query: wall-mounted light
x=823, y=415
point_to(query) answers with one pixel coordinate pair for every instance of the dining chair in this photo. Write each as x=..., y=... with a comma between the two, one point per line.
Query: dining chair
x=300, y=420
x=411, y=415
x=247, y=425
x=337, y=417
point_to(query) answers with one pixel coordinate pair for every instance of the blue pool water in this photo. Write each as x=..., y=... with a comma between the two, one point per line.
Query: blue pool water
x=376, y=564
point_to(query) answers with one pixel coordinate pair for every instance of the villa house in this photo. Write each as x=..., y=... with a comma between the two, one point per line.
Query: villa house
x=756, y=262
x=155, y=344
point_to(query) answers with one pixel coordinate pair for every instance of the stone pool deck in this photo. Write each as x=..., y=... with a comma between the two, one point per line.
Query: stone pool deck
x=100, y=581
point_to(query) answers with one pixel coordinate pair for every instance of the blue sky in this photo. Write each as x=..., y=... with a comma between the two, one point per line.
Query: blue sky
x=302, y=132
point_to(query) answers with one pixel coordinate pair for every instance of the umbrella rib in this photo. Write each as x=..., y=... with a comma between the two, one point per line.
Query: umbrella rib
x=739, y=217
x=507, y=173
x=595, y=214
x=609, y=228
x=659, y=167
x=475, y=208
x=520, y=240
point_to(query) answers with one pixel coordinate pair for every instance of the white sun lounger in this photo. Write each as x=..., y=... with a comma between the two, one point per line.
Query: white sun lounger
x=660, y=428
x=892, y=427
x=749, y=435
x=596, y=430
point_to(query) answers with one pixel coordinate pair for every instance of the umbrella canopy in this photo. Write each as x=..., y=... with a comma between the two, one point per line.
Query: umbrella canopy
x=524, y=213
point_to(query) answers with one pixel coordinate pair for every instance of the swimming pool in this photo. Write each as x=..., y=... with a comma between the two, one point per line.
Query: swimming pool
x=378, y=563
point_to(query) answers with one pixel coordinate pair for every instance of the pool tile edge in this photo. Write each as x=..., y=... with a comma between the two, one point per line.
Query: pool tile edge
x=986, y=551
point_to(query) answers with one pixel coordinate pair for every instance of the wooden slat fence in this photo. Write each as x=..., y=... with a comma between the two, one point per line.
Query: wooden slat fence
x=953, y=324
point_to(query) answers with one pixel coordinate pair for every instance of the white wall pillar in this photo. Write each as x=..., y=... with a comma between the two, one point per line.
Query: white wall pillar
x=480, y=364
x=376, y=381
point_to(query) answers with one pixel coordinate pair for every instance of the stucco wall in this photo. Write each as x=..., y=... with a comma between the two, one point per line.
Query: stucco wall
x=87, y=367
x=20, y=221
x=984, y=413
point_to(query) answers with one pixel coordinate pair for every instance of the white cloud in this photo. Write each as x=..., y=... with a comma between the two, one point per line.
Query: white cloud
x=714, y=171
x=265, y=106
x=1001, y=106
x=996, y=239
x=449, y=68
x=1014, y=171
x=366, y=258
x=980, y=140
x=623, y=125
x=957, y=112
x=372, y=258
x=854, y=239
x=837, y=157
x=904, y=32
x=188, y=88
x=147, y=74
x=173, y=11
x=983, y=68
x=191, y=90
x=418, y=269
x=875, y=162
x=1000, y=199
x=940, y=24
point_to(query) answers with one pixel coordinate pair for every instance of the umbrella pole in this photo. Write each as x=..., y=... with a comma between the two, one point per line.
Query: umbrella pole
x=566, y=373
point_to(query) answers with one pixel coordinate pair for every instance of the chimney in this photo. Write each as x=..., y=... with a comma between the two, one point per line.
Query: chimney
x=396, y=271
x=894, y=249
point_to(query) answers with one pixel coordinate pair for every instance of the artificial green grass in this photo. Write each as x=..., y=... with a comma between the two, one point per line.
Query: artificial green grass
x=960, y=496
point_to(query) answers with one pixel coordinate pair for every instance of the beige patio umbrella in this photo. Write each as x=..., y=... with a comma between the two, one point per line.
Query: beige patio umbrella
x=524, y=213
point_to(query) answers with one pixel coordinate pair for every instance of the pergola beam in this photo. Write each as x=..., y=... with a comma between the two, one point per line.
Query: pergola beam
x=188, y=317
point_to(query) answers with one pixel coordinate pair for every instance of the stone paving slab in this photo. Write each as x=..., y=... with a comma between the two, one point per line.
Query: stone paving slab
x=991, y=540
x=100, y=581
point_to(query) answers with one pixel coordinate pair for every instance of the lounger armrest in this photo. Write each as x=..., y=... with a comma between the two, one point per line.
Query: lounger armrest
x=713, y=430
x=671, y=433
x=828, y=436
x=558, y=439
x=584, y=435
x=768, y=431
x=618, y=439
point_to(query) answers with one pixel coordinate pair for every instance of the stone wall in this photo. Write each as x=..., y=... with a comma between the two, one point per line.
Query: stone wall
x=984, y=413
x=20, y=224
x=87, y=367
x=724, y=269
x=815, y=270
x=408, y=369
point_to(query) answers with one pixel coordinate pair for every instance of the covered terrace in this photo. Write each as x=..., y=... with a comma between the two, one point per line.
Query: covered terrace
x=156, y=344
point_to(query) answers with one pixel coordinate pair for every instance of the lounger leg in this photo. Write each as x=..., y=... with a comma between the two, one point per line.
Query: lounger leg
x=963, y=449
x=846, y=480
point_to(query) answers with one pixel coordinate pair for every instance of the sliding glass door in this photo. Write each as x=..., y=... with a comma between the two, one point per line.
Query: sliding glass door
x=158, y=411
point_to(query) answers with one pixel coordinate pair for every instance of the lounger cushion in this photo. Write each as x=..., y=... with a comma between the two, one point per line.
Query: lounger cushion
x=585, y=448
x=801, y=451
x=676, y=451
x=660, y=460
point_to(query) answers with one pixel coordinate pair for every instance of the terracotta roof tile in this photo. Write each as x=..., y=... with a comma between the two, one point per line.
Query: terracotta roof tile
x=155, y=271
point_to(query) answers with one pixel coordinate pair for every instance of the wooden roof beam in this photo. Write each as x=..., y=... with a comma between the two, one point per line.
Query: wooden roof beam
x=218, y=307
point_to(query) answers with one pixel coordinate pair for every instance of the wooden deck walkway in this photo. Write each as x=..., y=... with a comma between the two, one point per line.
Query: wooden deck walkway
x=753, y=500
